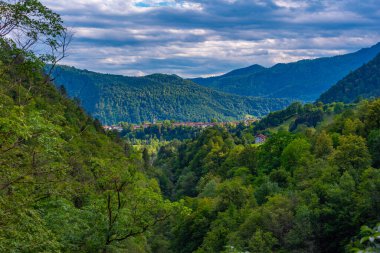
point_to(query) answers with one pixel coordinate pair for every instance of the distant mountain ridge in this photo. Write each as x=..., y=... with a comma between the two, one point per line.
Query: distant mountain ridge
x=115, y=98
x=303, y=80
x=362, y=83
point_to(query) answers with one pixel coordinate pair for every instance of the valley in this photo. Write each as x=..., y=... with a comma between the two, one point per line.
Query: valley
x=284, y=159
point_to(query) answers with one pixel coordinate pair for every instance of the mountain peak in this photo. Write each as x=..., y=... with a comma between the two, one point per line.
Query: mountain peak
x=163, y=77
x=377, y=45
x=255, y=68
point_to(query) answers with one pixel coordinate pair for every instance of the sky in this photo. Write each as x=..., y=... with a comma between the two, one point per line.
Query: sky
x=204, y=38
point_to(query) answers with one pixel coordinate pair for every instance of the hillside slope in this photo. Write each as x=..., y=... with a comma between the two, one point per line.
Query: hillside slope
x=362, y=83
x=304, y=80
x=308, y=188
x=60, y=172
x=113, y=98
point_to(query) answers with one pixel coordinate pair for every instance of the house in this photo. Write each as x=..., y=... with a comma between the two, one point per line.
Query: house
x=117, y=128
x=113, y=128
x=260, y=138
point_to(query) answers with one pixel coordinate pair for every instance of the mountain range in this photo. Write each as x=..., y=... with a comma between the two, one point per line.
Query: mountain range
x=361, y=83
x=254, y=90
x=303, y=80
x=115, y=98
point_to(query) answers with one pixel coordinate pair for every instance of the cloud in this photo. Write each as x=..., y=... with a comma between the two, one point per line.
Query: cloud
x=203, y=37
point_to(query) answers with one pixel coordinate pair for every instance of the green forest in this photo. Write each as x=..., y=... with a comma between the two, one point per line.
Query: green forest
x=158, y=132
x=306, y=190
x=359, y=84
x=66, y=185
x=113, y=99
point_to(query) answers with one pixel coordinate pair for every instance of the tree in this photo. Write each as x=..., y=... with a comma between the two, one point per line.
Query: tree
x=234, y=193
x=270, y=152
x=352, y=127
x=323, y=146
x=217, y=238
x=337, y=213
x=371, y=115
x=367, y=200
x=132, y=208
x=374, y=147
x=190, y=232
x=28, y=22
x=275, y=216
x=146, y=158
x=263, y=242
x=30, y=18
x=297, y=153
x=352, y=155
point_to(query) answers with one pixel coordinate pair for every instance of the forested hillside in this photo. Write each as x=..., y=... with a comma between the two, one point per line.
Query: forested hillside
x=308, y=188
x=64, y=185
x=303, y=80
x=113, y=98
x=362, y=83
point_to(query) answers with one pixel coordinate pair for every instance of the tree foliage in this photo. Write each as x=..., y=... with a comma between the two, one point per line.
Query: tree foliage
x=300, y=191
x=64, y=185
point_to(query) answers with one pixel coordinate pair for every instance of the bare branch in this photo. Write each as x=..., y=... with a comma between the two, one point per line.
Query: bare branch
x=58, y=55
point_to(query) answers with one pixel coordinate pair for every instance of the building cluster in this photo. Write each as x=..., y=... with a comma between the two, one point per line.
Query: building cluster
x=182, y=124
x=119, y=128
x=259, y=138
x=113, y=128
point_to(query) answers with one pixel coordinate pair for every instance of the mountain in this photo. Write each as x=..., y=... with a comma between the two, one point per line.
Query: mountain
x=362, y=83
x=115, y=98
x=303, y=80
x=234, y=73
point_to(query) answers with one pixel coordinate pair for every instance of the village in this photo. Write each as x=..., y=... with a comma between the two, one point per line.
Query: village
x=119, y=127
x=259, y=138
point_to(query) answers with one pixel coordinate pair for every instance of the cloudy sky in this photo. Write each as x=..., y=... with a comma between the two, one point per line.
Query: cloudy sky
x=208, y=37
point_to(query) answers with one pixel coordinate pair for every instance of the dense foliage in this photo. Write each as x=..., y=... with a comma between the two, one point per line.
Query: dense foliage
x=113, y=99
x=297, y=115
x=64, y=185
x=362, y=83
x=160, y=132
x=303, y=80
x=306, y=189
x=34, y=28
